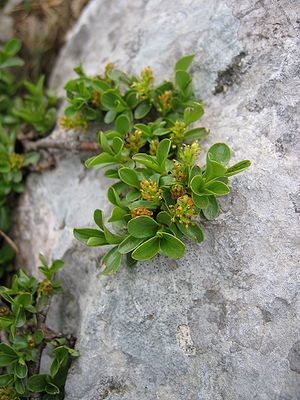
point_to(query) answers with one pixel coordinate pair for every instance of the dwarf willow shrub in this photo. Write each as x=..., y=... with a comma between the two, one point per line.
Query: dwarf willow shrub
x=160, y=192
x=24, y=336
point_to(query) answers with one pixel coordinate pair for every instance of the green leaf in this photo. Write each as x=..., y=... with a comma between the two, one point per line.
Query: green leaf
x=12, y=46
x=24, y=299
x=6, y=360
x=195, y=134
x=163, y=218
x=130, y=177
x=117, y=145
x=197, y=185
x=6, y=380
x=96, y=241
x=212, y=210
x=20, y=386
x=142, y=227
x=146, y=250
x=84, y=234
x=112, y=260
x=183, y=63
x=192, y=113
x=56, y=265
x=193, y=232
x=21, y=370
x=8, y=350
x=194, y=171
x=162, y=151
x=150, y=204
x=148, y=161
x=114, y=198
x=61, y=356
x=213, y=169
x=200, y=201
x=98, y=218
x=20, y=317
x=110, y=116
x=7, y=355
x=129, y=244
x=220, y=152
x=37, y=383
x=142, y=109
x=122, y=124
x=171, y=246
x=183, y=79
x=132, y=195
x=104, y=143
x=111, y=237
x=52, y=389
x=237, y=168
x=117, y=214
x=217, y=188
x=111, y=100
x=101, y=161
x=12, y=62
x=112, y=173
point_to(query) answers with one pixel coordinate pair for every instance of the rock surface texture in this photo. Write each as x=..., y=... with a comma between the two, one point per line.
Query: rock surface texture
x=223, y=322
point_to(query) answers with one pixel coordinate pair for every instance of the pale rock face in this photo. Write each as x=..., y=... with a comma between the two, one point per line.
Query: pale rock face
x=222, y=322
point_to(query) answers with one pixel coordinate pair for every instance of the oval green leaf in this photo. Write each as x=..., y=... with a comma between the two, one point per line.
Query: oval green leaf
x=142, y=227
x=142, y=110
x=220, y=152
x=217, y=188
x=146, y=250
x=212, y=210
x=171, y=246
x=112, y=260
x=197, y=185
x=129, y=176
x=129, y=244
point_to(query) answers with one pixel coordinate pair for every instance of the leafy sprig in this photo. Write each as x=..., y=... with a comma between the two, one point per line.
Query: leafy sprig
x=24, y=336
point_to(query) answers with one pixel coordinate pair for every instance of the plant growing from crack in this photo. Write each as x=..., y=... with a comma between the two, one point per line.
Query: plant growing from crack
x=161, y=193
x=25, y=107
x=24, y=336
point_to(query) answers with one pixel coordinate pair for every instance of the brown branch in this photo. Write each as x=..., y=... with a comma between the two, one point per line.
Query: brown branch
x=47, y=162
x=10, y=241
x=48, y=143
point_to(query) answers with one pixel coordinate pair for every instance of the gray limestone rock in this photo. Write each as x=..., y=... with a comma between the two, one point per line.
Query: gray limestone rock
x=222, y=323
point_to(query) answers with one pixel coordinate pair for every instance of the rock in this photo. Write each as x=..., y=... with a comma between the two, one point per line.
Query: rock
x=222, y=322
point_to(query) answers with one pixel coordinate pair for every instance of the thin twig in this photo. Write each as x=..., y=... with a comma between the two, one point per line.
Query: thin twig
x=10, y=241
x=48, y=143
x=34, y=368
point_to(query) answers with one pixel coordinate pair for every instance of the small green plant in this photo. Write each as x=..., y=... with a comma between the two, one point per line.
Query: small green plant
x=24, y=107
x=37, y=107
x=24, y=336
x=161, y=193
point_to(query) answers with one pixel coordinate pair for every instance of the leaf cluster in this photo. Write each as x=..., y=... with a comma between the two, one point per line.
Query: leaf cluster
x=161, y=193
x=23, y=104
x=22, y=315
